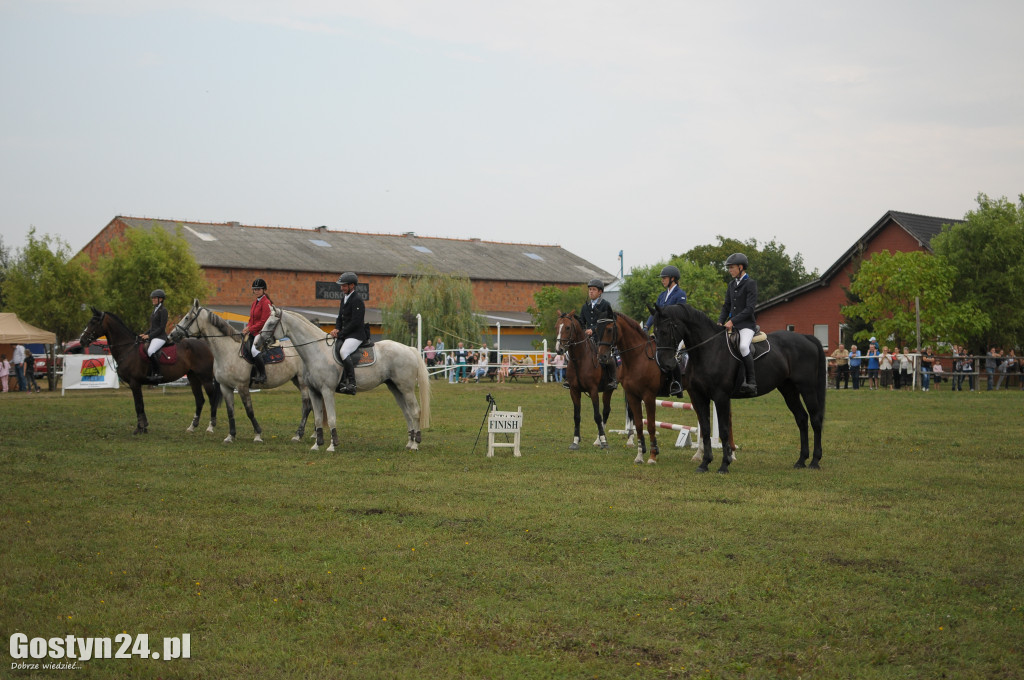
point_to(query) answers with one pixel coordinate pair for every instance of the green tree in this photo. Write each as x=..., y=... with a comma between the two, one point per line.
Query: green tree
x=774, y=270
x=147, y=259
x=48, y=288
x=444, y=302
x=987, y=251
x=888, y=284
x=548, y=302
x=703, y=284
x=5, y=263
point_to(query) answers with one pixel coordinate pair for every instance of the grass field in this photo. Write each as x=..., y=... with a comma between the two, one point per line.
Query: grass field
x=901, y=558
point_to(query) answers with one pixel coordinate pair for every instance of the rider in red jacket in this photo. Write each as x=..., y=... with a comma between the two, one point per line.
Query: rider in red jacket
x=258, y=315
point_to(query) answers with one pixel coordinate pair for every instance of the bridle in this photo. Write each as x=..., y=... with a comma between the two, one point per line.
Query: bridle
x=614, y=342
x=192, y=318
x=571, y=341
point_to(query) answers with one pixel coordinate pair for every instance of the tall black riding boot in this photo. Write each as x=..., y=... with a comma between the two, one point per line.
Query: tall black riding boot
x=348, y=377
x=261, y=369
x=154, y=368
x=749, y=386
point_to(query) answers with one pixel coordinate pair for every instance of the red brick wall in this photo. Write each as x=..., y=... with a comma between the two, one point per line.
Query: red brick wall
x=822, y=305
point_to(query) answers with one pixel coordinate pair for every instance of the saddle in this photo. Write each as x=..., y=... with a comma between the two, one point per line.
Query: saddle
x=365, y=355
x=272, y=354
x=168, y=354
x=759, y=345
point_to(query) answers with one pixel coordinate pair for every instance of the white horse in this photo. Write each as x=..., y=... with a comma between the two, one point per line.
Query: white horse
x=232, y=371
x=399, y=366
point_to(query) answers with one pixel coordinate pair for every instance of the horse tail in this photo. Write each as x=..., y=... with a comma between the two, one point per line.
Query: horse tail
x=822, y=380
x=423, y=378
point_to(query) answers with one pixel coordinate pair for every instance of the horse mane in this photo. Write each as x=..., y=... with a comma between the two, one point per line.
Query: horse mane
x=300, y=317
x=692, y=315
x=116, y=318
x=632, y=323
x=223, y=326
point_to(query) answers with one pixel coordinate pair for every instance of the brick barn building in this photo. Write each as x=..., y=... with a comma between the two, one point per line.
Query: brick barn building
x=815, y=307
x=301, y=267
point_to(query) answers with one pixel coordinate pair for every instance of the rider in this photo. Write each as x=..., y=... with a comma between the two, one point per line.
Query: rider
x=672, y=295
x=738, y=313
x=157, y=333
x=594, y=310
x=259, y=312
x=350, y=328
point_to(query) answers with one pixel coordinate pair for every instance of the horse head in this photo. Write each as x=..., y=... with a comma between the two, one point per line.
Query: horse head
x=183, y=328
x=607, y=335
x=567, y=329
x=271, y=329
x=93, y=329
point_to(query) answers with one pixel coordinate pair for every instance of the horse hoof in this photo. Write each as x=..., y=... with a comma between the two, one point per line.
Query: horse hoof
x=652, y=461
x=574, y=447
x=814, y=466
x=258, y=439
x=702, y=468
x=604, y=445
x=799, y=465
x=190, y=428
x=315, y=447
x=414, y=447
x=639, y=460
x=330, y=449
x=229, y=439
x=297, y=438
x=723, y=471
x=209, y=429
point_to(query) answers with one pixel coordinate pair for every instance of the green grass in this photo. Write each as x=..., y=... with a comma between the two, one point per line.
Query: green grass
x=901, y=558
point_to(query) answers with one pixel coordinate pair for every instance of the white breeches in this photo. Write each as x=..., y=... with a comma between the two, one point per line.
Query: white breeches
x=350, y=345
x=154, y=345
x=746, y=335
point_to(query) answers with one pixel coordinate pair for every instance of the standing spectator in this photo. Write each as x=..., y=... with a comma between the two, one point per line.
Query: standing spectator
x=906, y=367
x=927, y=361
x=991, y=365
x=1009, y=365
x=440, y=358
x=503, y=369
x=885, y=368
x=855, y=366
x=449, y=362
x=5, y=372
x=958, y=377
x=429, y=354
x=872, y=365
x=30, y=371
x=842, y=357
x=559, y=363
x=967, y=368
x=18, y=361
x=461, y=361
x=937, y=373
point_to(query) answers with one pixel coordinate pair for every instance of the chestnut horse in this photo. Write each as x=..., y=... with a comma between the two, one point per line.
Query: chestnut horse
x=641, y=377
x=583, y=375
x=194, y=360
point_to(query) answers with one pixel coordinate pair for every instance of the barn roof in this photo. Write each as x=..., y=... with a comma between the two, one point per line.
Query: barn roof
x=921, y=227
x=235, y=246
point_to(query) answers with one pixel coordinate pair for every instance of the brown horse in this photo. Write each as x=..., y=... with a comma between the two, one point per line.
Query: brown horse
x=583, y=375
x=194, y=360
x=641, y=376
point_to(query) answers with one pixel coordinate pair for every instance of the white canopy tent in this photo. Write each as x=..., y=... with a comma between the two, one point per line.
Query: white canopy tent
x=14, y=331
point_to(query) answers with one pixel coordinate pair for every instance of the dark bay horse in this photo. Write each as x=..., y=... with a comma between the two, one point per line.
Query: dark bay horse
x=194, y=360
x=640, y=377
x=794, y=364
x=583, y=374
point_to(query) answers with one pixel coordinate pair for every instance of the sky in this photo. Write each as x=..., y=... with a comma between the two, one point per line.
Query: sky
x=647, y=127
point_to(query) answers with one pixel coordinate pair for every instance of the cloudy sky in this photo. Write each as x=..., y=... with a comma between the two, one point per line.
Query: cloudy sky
x=642, y=126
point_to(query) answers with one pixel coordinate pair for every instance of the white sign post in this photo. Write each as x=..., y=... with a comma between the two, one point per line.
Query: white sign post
x=504, y=422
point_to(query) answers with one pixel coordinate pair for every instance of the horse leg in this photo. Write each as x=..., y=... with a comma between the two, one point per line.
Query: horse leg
x=574, y=393
x=602, y=439
x=724, y=408
x=141, y=422
x=792, y=397
x=317, y=400
x=630, y=426
x=307, y=408
x=249, y=411
x=637, y=412
x=213, y=391
x=229, y=406
x=332, y=419
x=411, y=410
x=197, y=392
x=702, y=406
x=652, y=429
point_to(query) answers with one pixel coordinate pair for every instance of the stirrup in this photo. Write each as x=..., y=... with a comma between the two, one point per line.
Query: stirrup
x=675, y=389
x=345, y=388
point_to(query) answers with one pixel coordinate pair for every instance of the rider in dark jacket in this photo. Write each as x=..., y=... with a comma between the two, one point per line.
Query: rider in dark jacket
x=738, y=313
x=350, y=328
x=157, y=333
x=595, y=310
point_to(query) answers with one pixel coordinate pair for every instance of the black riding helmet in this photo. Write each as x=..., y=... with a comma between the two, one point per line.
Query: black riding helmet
x=158, y=293
x=259, y=283
x=671, y=271
x=737, y=258
x=348, y=277
x=596, y=283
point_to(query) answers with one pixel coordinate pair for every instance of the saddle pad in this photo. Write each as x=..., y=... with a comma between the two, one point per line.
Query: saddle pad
x=365, y=354
x=273, y=355
x=168, y=354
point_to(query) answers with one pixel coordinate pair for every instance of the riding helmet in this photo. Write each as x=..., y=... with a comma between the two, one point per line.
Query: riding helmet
x=671, y=271
x=348, y=277
x=159, y=292
x=596, y=283
x=736, y=258
x=259, y=283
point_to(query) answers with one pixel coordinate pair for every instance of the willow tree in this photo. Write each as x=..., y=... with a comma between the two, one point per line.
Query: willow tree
x=445, y=304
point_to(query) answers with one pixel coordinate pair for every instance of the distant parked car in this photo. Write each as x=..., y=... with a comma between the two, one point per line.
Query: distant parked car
x=42, y=362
